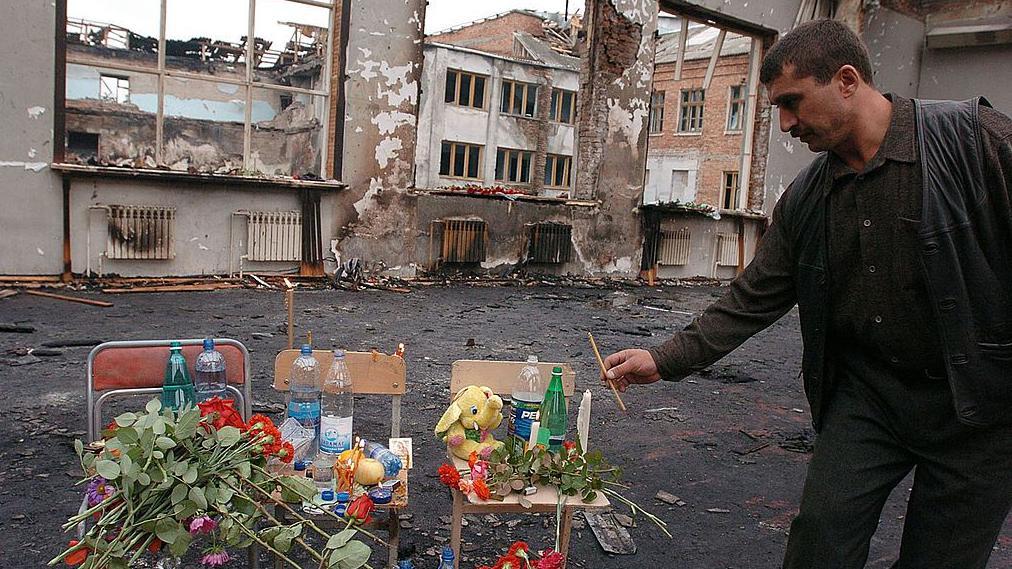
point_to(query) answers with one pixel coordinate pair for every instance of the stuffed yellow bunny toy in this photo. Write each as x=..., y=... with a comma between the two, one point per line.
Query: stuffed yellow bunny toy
x=467, y=424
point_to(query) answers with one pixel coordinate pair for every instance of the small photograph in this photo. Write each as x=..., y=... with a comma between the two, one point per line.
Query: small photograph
x=402, y=448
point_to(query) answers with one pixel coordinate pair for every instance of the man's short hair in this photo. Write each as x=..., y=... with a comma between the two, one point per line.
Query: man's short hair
x=817, y=49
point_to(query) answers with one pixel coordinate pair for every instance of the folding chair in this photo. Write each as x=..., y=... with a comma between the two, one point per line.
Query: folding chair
x=137, y=367
x=372, y=373
x=500, y=377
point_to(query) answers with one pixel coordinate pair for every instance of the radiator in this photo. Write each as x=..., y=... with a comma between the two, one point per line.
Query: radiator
x=140, y=232
x=274, y=236
x=464, y=241
x=674, y=247
x=727, y=249
x=549, y=243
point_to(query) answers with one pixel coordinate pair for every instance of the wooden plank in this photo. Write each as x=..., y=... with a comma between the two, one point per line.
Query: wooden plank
x=546, y=499
x=29, y=278
x=681, y=48
x=717, y=46
x=500, y=376
x=456, y=516
x=613, y=537
x=172, y=288
x=7, y=293
x=371, y=373
x=88, y=301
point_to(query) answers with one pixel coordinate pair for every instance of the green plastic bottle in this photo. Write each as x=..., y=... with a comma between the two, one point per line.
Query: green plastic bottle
x=554, y=419
x=177, y=391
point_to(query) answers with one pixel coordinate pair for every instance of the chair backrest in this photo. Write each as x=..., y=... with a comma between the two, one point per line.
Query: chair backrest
x=500, y=376
x=372, y=373
x=137, y=367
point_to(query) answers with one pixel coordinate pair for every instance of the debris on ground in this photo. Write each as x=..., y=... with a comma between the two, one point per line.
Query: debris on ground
x=610, y=534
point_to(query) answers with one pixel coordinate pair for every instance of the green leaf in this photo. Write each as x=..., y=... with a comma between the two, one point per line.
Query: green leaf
x=190, y=476
x=296, y=488
x=186, y=423
x=180, y=468
x=168, y=530
x=340, y=539
x=127, y=435
x=229, y=435
x=125, y=464
x=126, y=419
x=244, y=469
x=78, y=447
x=283, y=542
x=224, y=494
x=181, y=545
x=185, y=509
x=352, y=555
x=143, y=479
x=158, y=426
x=179, y=493
x=197, y=495
x=153, y=406
x=165, y=443
x=107, y=469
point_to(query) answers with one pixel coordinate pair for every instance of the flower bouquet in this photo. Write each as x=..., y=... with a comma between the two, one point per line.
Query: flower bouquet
x=163, y=482
x=519, y=556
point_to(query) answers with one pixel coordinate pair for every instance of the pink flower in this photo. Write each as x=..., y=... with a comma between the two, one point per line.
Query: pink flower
x=464, y=486
x=202, y=524
x=479, y=471
x=216, y=558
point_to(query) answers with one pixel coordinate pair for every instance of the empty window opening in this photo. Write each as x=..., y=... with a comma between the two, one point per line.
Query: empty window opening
x=513, y=165
x=691, y=111
x=114, y=88
x=563, y=107
x=465, y=89
x=460, y=160
x=656, y=112
x=518, y=98
x=558, y=170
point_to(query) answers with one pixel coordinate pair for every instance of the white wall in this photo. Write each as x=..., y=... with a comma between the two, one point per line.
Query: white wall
x=658, y=187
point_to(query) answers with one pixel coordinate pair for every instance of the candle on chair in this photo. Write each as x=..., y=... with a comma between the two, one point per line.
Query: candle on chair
x=583, y=420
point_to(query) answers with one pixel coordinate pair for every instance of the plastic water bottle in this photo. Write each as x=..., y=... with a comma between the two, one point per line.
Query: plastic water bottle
x=446, y=558
x=323, y=472
x=177, y=390
x=337, y=408
x=304, y=395
x=525, y=406
x=209, y=373
x=390, y=461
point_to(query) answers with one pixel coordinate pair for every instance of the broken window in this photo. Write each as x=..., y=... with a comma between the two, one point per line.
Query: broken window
x=656, y=112
x=563, y=107
x=241, y=90
x=465, y=89
x=114, y=88
x=736, y=107
x=557, y=170
x=729, y=193
x=460, y=160
x=513, y=165
x=518, y=98
x=690, y=117
x=83, y=145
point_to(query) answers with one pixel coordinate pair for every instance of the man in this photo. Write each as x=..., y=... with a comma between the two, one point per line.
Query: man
x=896, y=244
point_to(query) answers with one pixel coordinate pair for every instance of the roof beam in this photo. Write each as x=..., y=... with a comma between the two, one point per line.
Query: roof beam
x=681, y=48
x=717, y=46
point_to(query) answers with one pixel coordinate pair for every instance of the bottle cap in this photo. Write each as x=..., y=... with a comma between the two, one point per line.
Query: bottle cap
x=380, y=495
x=343, y=496
x=557, y=369
x=532, y=359
x=447, y=553
x=175, y=345
x=327, y=495
x=208, y=344
x=300, y=465
x=306, y=349
x=339, y=509
x=338, y=353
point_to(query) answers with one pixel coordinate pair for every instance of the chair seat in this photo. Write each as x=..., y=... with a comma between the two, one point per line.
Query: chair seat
x=546, y=499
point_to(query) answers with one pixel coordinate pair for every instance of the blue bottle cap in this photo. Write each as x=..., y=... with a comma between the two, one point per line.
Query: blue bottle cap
x=343, y=497
x=338, y=353
x=307, y=350
x=339, y=509
x=300, y=465
x=208, y=344
x=447, y=553
x=380, y=495
x=327, y=495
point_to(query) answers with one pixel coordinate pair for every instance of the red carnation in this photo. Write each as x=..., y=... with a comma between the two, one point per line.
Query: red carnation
x=448, y=475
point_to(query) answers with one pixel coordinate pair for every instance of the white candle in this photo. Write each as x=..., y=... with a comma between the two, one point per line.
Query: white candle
x=532, y=440
x=583, y=420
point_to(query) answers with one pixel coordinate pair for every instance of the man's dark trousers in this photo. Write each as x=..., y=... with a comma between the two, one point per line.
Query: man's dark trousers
x=879, y=425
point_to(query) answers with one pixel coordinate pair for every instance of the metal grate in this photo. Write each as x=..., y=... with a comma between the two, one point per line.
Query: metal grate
x=275, y=236
x=140, y=232
x=674, y=247
x=727, y=249
x=464, y=241
x=549, y=242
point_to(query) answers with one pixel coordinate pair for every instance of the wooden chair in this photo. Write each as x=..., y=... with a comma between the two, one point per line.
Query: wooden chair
x=137, y=367
x=499, y=377
x=372, y=373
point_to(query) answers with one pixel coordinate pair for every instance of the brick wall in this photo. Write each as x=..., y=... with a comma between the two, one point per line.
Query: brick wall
x=495, y=35
x=718, y=149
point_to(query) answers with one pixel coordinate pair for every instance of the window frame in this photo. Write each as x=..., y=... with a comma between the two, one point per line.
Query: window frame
x=555, y=106
x=471, y=89
x=119, y=79
x=656, y=120
x=468, y=147
x=688, y=121
x=729, y=191
x=740, y=102
x=161, y=71
x=506, y=154
x=514, y=83
x=552, y=165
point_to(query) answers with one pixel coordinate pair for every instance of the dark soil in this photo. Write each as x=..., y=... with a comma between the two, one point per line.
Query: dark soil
x=703, y=440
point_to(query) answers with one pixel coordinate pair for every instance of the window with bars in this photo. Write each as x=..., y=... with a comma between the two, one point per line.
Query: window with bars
x=558, y=170
x=114, y=88
x=513, y=165
x=729, y=193
x=736, y=108
x=518, y=98
x=563, y=107
x=690, y=113
x=656, y=112
x=465, y=89
x=460, y=160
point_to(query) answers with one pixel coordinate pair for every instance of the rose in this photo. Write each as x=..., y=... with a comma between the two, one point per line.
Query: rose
x=202, y=524
x=222, y=413
x=550, y=559
x=360, y=509
x=77, y=556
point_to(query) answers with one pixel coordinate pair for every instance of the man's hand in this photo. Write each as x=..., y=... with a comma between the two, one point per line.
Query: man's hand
x=630, y=366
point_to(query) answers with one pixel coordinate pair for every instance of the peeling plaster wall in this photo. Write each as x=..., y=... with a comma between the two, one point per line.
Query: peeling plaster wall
x=614, y=99
x=374, y=219
x=703, y=245
x=205, y=231
x=31, y=226
x=894, y=43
